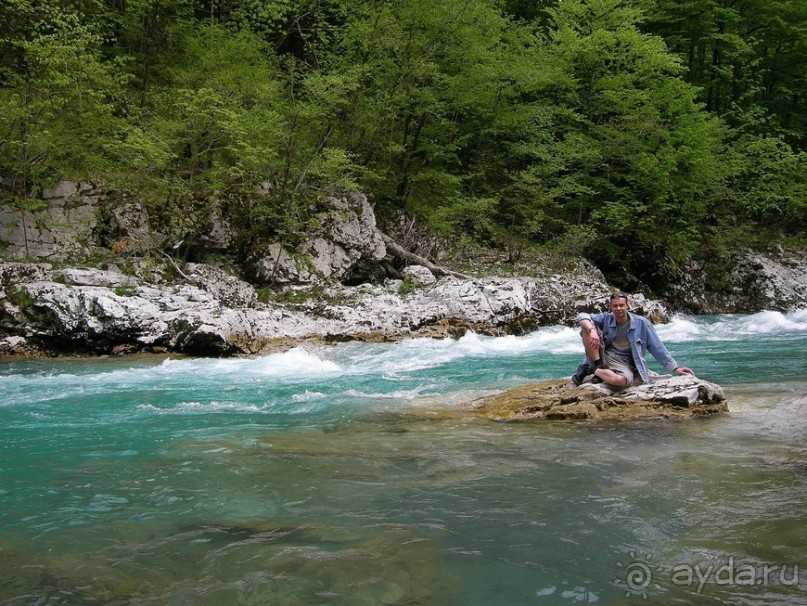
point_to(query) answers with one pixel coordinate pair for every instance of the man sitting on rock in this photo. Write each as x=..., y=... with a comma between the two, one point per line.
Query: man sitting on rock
x=616, y=343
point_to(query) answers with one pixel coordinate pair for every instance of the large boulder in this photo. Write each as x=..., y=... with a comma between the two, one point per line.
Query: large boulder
x=776, y=282
x=346, y=234
x=773, y=280
x=557, y=296
x=419, y=275
x=227, y=289
x=678, y=397
x=75, y=220
x=129, y=225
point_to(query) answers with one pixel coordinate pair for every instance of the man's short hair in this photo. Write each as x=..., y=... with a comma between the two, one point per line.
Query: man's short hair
x=618, y=295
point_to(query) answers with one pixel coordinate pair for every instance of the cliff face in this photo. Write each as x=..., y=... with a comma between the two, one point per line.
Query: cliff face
x=50, y=303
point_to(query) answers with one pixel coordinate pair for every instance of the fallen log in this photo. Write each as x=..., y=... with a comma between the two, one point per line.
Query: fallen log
x=410, y=257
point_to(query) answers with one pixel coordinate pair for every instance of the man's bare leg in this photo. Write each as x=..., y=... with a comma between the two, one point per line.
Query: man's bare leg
x=611, y=377
x=592, y=347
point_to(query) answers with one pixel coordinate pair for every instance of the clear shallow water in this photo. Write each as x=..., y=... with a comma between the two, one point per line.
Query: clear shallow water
x=332, y=476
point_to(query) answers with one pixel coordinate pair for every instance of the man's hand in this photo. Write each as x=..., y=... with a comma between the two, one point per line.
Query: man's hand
x=683, y=370
x=594, y=337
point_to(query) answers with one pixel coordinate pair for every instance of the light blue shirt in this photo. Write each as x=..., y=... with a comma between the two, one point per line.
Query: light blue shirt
x=642, y=337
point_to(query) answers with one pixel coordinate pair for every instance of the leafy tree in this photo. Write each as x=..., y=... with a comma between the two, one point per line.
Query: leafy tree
x=748, y=58
x=59, y=103
x=210, y=134
x=623, y=129
x=769, y=184
x=718, y=57
x=424, y=73
x=651, y=148
x=239, y=127
x=777, y=34
x=530, y=11
x=147, y=33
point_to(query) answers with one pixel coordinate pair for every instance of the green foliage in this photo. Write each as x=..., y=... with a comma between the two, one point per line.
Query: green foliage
x=636, y=132
x=304, y=29
x=20, y=298
x=428, y=75
x=637, y=153
x=770, y=184
x=746, y=57
x=301, y=295
x=147, y=34
x=576, y=241
x=472, y=216
x=217, y=120
x=408, y=286
x=124, y=291
x=58, y=98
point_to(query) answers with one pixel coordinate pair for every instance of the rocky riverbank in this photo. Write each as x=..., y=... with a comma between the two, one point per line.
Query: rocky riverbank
x=50, y=311
x=45, y=310
x=339, y=285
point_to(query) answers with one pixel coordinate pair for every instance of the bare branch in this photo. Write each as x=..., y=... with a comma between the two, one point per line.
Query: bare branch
x=401, y=252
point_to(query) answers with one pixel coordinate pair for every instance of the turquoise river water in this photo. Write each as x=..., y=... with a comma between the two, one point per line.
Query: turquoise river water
x=335, y=475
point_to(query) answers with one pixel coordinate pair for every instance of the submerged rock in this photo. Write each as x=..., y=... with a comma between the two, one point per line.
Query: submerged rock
x=678, y=397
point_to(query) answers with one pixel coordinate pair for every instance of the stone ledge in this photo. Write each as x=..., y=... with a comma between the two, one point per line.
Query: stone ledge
x=679, y=397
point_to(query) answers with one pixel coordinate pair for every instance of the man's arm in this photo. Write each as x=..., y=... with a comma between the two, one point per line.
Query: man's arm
x=587, y=326
x=661, y=354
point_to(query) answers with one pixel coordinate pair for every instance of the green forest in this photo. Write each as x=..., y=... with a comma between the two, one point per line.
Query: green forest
x=636, y=133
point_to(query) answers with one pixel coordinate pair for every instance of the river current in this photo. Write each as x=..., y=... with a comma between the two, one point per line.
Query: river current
x=343, y=475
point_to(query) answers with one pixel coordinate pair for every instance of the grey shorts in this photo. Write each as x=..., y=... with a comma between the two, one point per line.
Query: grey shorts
x=615, y=363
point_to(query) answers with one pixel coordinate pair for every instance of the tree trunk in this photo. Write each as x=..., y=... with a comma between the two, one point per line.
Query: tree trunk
x=400, y=252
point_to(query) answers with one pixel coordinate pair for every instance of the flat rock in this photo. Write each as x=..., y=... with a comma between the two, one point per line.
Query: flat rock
x=678, y=397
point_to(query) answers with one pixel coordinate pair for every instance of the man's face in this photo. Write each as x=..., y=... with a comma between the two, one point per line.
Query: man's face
x=619, y=307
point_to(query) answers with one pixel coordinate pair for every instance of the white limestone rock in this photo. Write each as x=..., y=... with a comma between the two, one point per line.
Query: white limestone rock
x=346, y=235
x=419, y=275
x=227, y=289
